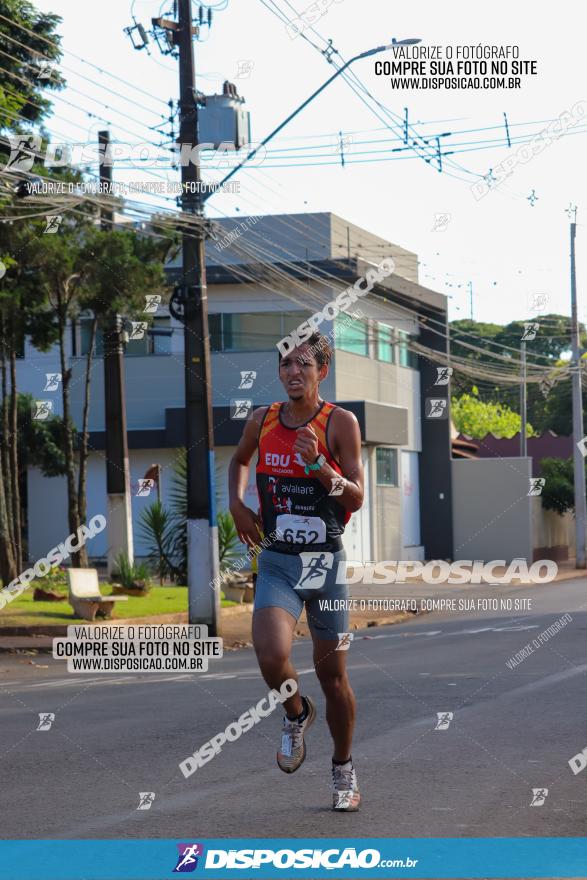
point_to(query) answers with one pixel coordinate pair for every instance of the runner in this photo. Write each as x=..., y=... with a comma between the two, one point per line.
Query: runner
x=307, y=449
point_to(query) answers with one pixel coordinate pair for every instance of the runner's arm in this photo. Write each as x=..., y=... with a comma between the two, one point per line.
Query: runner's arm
x=247, y=522
x=345, y=441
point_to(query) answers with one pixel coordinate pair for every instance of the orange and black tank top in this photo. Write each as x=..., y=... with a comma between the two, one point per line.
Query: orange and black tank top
x=292, y=502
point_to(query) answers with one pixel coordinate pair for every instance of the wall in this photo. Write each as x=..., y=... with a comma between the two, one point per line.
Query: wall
x=362, y=378
x=47, y=501
x=492, y=513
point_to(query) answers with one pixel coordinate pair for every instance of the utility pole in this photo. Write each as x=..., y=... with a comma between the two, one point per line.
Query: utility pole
x=578, y=457
x=523, y=406
x=202, y=531
x=120, y=538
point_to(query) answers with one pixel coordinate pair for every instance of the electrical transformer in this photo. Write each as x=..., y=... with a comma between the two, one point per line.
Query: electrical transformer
x=222, y=119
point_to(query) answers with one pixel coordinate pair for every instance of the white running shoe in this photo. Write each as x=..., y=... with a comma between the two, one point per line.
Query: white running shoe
x=345, y=796
x=293, y=747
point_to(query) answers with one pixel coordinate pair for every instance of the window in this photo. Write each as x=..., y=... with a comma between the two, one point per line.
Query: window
x=160, y=336
x=156, y=340
x=406, y=358
x=386, y=460
x=351, y=336
x=385, y=344
x=85, y=333
x=215, y=329
x=251, y=331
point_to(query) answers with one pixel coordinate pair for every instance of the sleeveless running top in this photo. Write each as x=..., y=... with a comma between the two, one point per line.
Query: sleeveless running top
x=290, y=500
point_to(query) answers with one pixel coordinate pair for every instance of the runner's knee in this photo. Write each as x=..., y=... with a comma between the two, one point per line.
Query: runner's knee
x=271, y=656
x=332, y=681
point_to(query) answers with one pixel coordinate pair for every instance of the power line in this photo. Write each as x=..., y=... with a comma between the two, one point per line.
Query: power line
x=61, y=50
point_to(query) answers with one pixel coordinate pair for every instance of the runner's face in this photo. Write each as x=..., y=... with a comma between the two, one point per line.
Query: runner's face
x=300, y=374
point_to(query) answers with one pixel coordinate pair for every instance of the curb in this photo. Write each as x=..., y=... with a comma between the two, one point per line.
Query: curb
x=60, y=629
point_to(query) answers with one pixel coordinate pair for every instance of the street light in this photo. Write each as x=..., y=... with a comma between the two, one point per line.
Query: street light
x=408, y=41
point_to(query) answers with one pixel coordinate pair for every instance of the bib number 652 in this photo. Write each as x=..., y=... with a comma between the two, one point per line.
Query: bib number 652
x=301, y=536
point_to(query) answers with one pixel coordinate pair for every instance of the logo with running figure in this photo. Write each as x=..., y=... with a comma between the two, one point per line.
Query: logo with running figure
x=187, y=861
x=444, y=719
x=315, y=567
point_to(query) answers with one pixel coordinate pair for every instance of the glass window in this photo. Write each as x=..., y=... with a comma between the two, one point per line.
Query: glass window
x=85, y=333
x=352, y=336
x=385, y=344
x=160, y=336
x=406, y=358
x=215, y=328
x=386, y=459
x=156, y=339
x=256, y=331
x=251, y=332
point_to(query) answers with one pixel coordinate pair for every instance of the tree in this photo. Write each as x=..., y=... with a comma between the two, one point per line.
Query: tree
x=546, y=410
x=558, y=408
x=123, y=268
x=106, y=272
x=558, y=492
x=59, y=272
x=23, y=312
x=474, y=417
x=30, y=39
x=553, y=335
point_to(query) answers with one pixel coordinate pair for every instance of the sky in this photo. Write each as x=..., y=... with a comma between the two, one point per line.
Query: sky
x=501, y=247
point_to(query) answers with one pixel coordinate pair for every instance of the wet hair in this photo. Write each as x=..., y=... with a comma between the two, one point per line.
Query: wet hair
x=319, y=347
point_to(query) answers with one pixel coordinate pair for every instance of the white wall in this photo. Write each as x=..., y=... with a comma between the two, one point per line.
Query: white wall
x=47, y=501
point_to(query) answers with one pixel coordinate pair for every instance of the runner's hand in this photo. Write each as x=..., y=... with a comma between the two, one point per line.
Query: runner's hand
x=248, y=525
x=306, y=443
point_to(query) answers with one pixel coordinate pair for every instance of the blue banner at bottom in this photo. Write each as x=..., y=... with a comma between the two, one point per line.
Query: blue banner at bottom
x=275, y=858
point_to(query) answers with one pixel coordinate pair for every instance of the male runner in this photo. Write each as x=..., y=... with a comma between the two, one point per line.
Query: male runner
x=305, y=448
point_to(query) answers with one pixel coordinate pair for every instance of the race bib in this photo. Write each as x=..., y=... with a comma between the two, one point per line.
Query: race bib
x=301, y=529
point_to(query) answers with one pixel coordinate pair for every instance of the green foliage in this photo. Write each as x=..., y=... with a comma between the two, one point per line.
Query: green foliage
x=122, y=268
x=21, y=91
x=546, y=411
x=40, y=443
x=553, y=335
x=474, y=417
x=558, y=409
x=131, y=573
x=228, y=540
x=165, y=529
x=558, y=492
x=157, y=527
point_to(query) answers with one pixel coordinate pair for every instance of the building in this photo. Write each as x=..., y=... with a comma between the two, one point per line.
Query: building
x=266, y=275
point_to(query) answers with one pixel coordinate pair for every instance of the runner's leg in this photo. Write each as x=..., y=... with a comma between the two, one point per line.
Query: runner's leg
x=330, y=666
x=273, y=629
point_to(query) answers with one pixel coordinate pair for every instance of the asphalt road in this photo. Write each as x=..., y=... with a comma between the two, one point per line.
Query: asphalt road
x=512, y=730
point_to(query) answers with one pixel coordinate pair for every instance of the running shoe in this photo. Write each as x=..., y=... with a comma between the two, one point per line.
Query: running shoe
x=345, y=796
x=293, y=747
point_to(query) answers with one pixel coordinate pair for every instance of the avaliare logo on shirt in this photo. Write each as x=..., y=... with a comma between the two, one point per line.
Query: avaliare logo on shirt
x=282, y=460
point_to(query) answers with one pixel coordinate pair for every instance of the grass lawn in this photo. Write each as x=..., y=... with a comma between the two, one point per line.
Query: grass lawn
x=160, y=600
